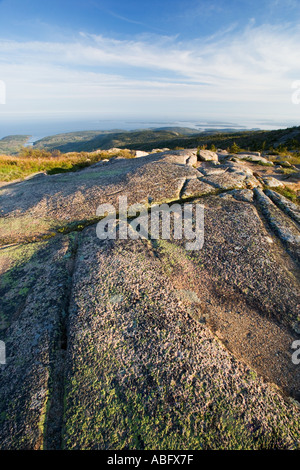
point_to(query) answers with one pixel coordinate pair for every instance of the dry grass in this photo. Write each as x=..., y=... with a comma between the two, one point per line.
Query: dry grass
x=34, y=161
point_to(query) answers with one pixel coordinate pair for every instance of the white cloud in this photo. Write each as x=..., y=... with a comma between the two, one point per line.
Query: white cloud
x=252, y=68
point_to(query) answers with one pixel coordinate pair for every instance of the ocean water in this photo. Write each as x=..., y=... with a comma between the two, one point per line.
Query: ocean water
x=39, y=129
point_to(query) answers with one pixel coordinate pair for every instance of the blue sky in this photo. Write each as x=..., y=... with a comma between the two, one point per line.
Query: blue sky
x=191, y=59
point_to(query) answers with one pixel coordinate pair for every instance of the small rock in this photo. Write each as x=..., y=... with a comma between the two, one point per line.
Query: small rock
x=254, y=158
x=160, y=150
x=140, y=153
x=116, y=299
x=285, y=164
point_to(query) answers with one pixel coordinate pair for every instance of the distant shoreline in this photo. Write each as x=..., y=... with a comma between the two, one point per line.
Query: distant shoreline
x=39, y=130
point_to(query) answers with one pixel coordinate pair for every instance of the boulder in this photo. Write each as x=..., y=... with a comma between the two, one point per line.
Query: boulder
x=254, y=158
x=272, y=182
x=207, y=155
x=257, y=154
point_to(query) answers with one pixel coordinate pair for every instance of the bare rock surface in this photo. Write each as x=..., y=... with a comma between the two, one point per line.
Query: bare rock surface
x=34, y=282
x=285, y=228
x=35, y=208
x=138, y=353
x=143, y=344
x=292, y=209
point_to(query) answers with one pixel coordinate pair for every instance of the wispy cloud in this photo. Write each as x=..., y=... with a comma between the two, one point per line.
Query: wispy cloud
x=253, y=68
x=201, y=8
x=122, y=17
x=284, y=3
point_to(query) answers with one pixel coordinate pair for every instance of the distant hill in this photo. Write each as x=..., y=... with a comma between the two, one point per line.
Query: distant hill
x=12, y=144
x=147, y=139
x=94, y=140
